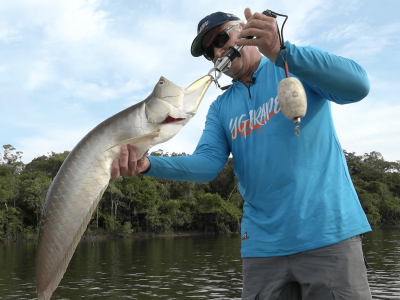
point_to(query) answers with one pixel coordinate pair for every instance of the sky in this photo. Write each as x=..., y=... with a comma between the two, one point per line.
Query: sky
x=67, y=65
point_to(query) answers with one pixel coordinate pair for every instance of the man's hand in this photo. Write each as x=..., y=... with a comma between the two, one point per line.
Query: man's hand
x=264, y=29
x=128, y=164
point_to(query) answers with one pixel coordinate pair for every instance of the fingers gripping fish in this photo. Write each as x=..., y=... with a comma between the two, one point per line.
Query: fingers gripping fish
x=85, y=173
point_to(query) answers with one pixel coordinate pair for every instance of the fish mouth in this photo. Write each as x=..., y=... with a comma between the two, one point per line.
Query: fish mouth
x=170, y=119
x=195, y=92
x=201, y=83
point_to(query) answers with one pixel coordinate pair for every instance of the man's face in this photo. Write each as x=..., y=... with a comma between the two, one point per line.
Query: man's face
x=238, y=64
x=209, y=37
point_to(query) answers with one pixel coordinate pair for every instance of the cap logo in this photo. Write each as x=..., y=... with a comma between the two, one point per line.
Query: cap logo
x=204, y=25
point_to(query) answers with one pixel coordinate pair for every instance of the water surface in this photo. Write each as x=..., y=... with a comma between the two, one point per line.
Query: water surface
x=196, y=267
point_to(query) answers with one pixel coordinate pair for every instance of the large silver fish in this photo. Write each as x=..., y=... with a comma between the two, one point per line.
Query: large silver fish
x=84, y=176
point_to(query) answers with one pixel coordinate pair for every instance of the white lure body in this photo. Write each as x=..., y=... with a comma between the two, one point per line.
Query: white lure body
x=292, y=100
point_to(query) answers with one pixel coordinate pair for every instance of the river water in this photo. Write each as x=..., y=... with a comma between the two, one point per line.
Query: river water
x=196, y=267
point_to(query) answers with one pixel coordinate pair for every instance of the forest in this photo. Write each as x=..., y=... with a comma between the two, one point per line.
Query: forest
x=145, y=205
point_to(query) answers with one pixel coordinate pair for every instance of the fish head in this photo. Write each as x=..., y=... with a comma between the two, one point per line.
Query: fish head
x=168, y=91
x=169, y=103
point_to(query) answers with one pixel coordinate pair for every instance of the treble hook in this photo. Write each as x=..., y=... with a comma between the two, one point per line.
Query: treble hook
x=297, y=127
x=297, y=130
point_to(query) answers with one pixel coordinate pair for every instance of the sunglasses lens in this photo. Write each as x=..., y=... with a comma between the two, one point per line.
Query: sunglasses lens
x=220, y=40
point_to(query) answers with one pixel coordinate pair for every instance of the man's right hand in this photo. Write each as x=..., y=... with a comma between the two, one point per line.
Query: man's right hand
x=128, y=164
x=264, y=29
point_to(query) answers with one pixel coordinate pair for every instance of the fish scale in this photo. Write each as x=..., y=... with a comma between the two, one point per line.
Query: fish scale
x=84, y=176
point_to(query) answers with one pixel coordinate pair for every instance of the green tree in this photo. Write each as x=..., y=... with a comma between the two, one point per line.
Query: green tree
x=225, y=183
x=6, y=187
x=11, y=167
x=377, y=183
x=49, y=164
x=33, y=189
x=217, y=215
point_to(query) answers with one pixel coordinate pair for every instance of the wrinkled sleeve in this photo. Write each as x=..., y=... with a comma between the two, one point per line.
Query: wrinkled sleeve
x=205, y=163
x=335, y=78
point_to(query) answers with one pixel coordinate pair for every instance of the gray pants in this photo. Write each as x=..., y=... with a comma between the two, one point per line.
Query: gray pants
x=333, y=272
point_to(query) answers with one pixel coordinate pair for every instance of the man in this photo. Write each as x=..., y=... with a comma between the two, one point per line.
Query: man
x=302, y=218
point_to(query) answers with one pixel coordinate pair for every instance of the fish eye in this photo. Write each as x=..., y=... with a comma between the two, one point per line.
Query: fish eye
x=161, y=82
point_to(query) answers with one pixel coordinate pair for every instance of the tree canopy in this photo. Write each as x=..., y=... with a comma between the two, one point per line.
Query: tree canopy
x=147, y=205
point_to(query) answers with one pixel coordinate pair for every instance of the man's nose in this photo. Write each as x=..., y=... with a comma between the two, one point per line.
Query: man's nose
x=218, y=52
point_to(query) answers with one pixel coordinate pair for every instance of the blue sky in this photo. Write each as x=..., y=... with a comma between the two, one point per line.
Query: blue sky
x=65, y=66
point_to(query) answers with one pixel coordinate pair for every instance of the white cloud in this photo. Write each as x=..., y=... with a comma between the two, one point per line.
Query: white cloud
x=343, y=9
x=94, y=92
x=371, y=42
x=354, y=30
x=370, y=125
x=7, y=34
x=39, y=145
x=28, y=13
x=77, y=108
x=79, y=20
x=345, y=32
x=39, y=74
x=66, y=65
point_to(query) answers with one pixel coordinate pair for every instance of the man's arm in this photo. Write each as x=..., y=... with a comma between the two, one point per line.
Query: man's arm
x=336, y=78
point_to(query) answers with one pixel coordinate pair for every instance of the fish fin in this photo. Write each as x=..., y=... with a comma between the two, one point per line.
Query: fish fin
x=46, y=294
x=145, y=138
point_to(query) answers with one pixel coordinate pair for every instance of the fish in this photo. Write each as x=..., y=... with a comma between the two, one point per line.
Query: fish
x=84, y=175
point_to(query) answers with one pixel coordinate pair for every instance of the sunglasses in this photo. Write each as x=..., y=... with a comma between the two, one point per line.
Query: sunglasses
x=218, y=42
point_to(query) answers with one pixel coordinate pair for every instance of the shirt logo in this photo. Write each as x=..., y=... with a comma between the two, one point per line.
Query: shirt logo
x=245, y=124
x=245, y=236
x=204, y=25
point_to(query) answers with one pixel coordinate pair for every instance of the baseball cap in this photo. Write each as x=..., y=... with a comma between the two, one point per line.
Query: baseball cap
x=205, y=25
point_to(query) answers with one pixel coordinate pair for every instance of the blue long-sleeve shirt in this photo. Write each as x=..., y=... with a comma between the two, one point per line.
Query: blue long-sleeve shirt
x=297, y=190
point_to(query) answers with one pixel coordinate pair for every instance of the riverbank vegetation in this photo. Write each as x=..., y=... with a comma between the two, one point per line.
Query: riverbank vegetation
x=146, y=205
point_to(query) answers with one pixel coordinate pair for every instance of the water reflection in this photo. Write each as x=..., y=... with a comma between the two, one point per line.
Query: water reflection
x=200, y=267
x=169, y=268
x=382, y=251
